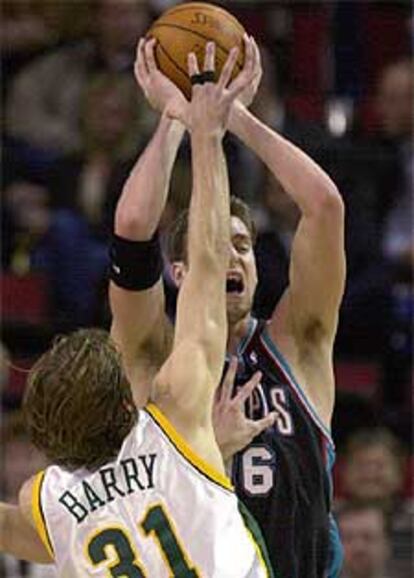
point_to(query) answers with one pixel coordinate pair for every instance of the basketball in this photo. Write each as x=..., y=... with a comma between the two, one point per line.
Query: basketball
x=187, y=28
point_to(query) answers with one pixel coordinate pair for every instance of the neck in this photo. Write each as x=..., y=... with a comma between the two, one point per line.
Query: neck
x=237, y=331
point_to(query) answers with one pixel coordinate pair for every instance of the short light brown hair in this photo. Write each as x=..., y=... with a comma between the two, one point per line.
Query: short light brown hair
x=351, y=507
x=373, y=437
x=177, y=235
x=78, y=405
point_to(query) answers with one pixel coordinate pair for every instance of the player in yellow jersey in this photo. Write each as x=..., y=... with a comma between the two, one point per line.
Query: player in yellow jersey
x=143, y=493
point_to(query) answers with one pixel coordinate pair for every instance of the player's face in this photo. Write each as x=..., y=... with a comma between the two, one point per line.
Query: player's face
x=373, y=473
x=365, y=545
x=242, y=273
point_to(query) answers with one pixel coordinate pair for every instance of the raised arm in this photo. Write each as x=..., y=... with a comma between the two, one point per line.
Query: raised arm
x=140, y=326
x=187, y=381
x=317, y=271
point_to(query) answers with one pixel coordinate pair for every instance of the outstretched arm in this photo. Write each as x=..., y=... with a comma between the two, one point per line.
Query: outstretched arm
x=145, y=193
x=317, y=272
x=140, y=326
x=191, y=374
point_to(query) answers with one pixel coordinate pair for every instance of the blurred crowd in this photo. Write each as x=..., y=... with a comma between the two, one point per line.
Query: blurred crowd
x=338, y=81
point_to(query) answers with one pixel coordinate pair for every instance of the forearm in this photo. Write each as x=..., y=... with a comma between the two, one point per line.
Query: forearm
x=18, y=538
x=145, y=192
x=303, y=180
x=201, y=328
x=209, y=226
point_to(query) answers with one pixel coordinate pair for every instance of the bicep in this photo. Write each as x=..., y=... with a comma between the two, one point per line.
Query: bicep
x=317, y=272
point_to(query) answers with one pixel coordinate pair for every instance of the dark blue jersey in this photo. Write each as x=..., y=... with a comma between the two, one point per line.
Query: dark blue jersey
x=284, y=475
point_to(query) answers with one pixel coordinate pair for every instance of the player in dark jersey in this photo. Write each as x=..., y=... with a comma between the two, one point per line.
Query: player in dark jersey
x=283, y=474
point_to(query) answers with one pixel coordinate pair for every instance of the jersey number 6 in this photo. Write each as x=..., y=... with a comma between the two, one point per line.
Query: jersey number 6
x=257, y=470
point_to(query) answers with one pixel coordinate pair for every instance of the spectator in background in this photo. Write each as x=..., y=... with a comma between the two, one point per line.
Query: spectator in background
x=85, y=189
x=276, y=220
x=394, y=100
x=111, y=135
x=63, y=230
x=375, y=174
x=395, y=110
x=364, y=534
x=24, y=33
x=4, y=368
x=24, y=29
x=375, y=469
x=26, y=218
x=270, y=107
x=44, y=100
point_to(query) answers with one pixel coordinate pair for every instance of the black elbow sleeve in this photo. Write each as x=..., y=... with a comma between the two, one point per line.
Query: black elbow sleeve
x=135, y=265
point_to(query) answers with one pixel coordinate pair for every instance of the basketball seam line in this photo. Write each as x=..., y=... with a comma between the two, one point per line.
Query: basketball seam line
x=182, y=28
x=184, y=72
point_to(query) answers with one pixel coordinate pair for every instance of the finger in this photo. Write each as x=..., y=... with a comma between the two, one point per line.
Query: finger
x=228, y=381
x=248, y=388
x=264, y=423
x=257, y=59
x=193, y=70
x=140, y=69
x=228, y=68
x=258, y=56
x=242, y=81
x=192, y=64
x=249, y=55
x=210, y=56
x=141, y=55
x=246, y=76
x=149, y=55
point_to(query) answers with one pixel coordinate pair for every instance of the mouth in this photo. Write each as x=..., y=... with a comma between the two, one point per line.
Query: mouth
x=234, y=284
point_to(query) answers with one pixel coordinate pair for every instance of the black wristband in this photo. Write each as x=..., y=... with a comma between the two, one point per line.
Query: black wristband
x=135, y=265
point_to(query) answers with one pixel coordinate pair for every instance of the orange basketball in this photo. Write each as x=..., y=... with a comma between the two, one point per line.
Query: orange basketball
x=187, y=28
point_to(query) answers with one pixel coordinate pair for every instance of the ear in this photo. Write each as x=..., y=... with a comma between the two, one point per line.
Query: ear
x=178, y=271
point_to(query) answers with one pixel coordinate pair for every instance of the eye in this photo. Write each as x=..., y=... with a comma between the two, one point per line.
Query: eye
x=243, y=247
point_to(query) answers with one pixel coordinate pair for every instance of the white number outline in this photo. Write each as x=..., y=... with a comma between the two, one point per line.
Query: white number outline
x=267, y=467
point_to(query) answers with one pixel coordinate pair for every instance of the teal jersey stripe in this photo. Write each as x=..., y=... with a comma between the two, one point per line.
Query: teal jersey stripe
x=266, y=339
x=246, y=339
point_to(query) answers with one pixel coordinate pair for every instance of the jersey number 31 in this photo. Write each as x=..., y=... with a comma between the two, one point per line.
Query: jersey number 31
x=126, y=564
